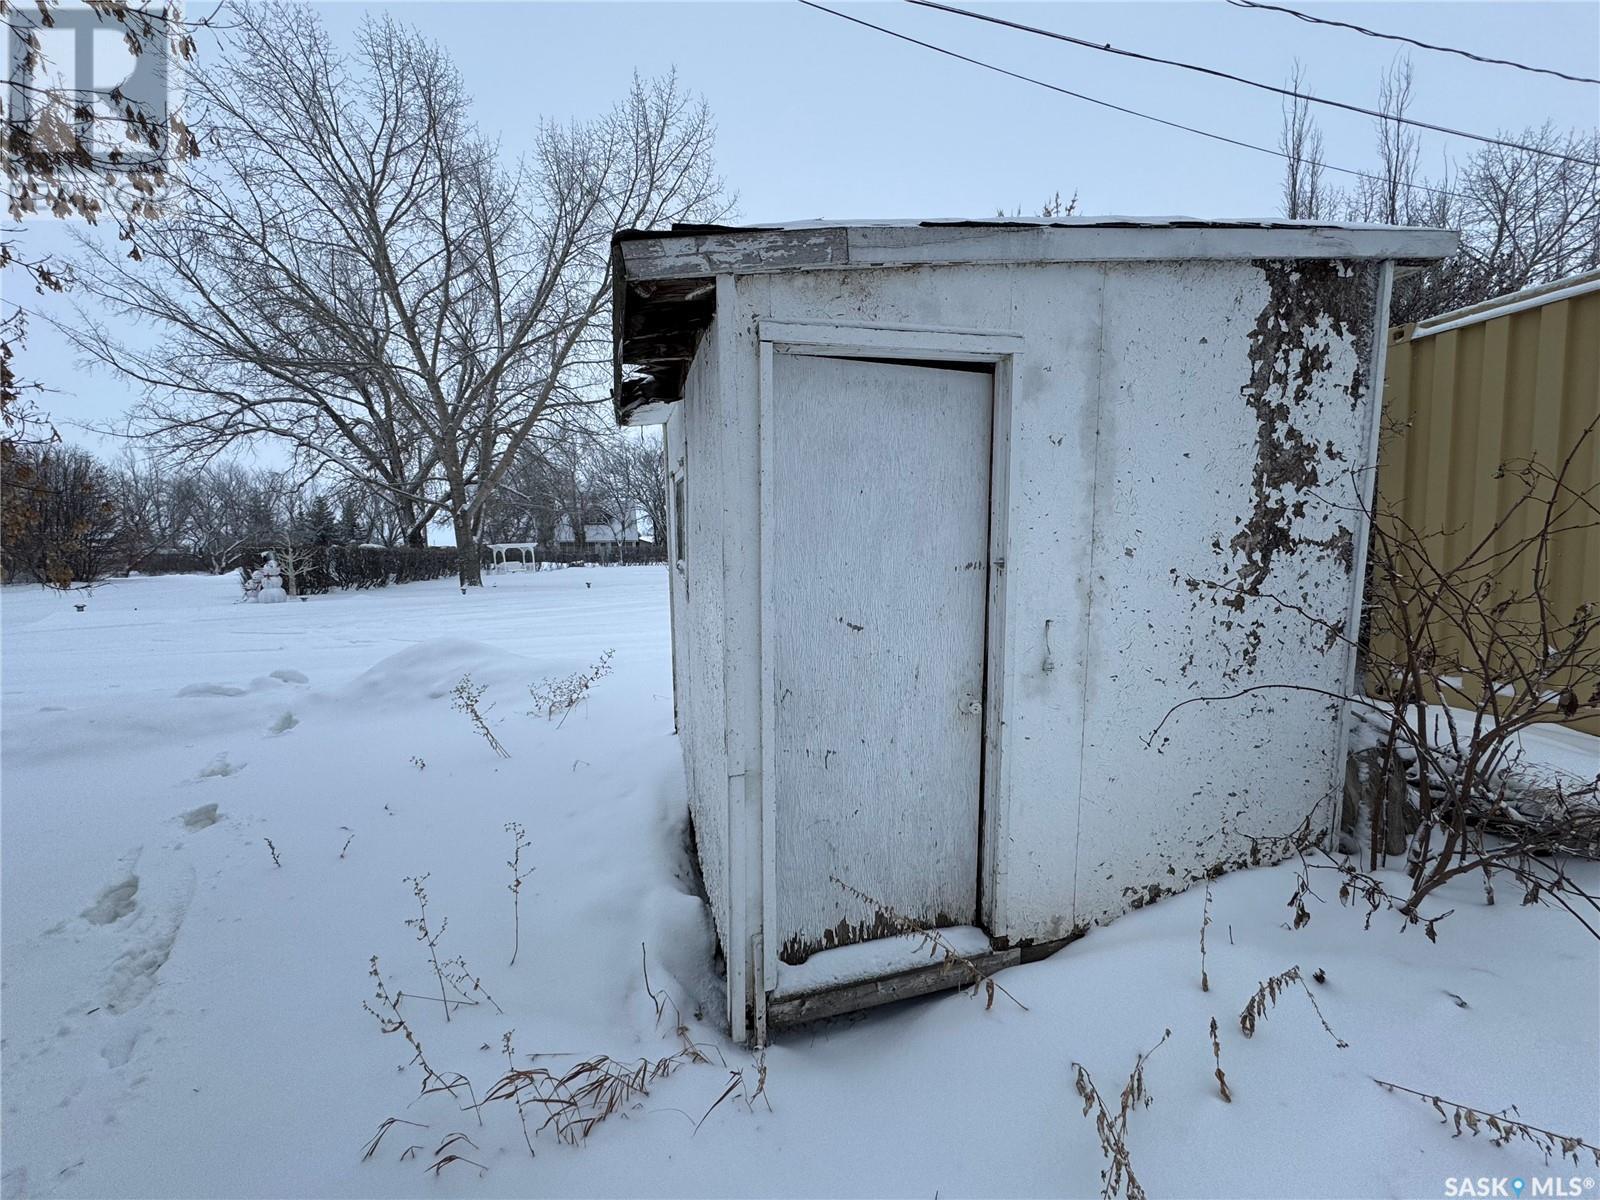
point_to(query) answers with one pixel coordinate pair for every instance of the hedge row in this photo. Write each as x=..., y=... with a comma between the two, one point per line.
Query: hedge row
x=319, y=569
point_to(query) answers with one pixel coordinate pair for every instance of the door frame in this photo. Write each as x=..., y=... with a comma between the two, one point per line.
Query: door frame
x=1002, y=350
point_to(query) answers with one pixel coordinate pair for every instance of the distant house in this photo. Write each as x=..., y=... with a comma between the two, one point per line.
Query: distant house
x=601, y=528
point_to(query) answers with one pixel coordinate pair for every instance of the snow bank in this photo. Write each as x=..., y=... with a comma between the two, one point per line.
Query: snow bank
x=184, y=1018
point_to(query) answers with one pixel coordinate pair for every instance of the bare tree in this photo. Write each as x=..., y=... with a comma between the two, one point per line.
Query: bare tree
x=1528, y=212
x=356, y=275
x=629, y=478
x=153, y=507
x=69, y=532
x=1525, y=217
x=1300, y=140
x=232, y=509
x=1398, y=146
x=1531, y=216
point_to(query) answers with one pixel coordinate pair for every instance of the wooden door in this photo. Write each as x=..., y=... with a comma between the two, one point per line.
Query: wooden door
x=880, y=533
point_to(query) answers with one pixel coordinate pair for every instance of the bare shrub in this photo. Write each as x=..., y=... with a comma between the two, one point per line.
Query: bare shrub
x=428, y=936
x=467, y=697
x=554, y=698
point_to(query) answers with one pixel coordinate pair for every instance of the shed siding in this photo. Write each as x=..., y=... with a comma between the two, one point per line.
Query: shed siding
x=1230, y=450
x=1157, y=418
x=694, y=436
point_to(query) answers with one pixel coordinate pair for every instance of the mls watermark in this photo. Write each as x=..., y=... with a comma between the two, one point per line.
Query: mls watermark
x=92, y=100
x=1520, y=1187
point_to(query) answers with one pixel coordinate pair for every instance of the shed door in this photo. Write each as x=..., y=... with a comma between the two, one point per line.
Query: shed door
x=880, y=532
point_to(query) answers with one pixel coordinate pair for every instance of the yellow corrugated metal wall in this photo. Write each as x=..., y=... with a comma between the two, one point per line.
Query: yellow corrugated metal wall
x=1460, y=402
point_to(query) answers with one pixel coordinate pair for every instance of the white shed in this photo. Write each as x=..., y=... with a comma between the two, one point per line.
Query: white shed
x=959, y=511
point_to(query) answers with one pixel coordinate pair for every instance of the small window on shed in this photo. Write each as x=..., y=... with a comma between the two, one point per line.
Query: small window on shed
x=677, y=522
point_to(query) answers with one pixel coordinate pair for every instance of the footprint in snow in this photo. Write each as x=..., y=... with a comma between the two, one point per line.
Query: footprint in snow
x=283, y=724
x=114, y=903
x=211, y=689
x=221, y=768
x=148, y=940
x=119, y=1048
x=203, y=817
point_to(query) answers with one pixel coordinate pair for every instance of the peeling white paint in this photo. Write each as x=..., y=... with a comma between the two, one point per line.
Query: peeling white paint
x=1137, y=443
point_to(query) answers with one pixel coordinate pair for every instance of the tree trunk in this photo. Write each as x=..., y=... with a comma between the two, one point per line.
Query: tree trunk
x=470, y=565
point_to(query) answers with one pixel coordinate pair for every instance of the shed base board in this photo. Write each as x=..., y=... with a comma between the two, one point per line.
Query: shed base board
x=853, y=997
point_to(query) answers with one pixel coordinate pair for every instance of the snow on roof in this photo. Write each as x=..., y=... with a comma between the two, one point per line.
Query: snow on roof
x=1109, y=221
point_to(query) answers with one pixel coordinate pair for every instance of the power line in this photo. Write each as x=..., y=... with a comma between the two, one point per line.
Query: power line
x=1395, y=37
x=1132, y=112
x=1107, y=48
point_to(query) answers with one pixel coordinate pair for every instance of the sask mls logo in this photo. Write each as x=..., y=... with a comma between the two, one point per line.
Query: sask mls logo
x=90, y=101
x=1519, y=1187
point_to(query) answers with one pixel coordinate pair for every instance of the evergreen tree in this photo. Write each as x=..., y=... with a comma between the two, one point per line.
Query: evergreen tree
x=321, y=527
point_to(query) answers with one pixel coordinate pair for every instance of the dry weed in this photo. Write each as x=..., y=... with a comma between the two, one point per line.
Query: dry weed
x=1266, y=996
x=1503, y=1125
x=467, y=697
x=1117, y=1178
x=1216, y=1053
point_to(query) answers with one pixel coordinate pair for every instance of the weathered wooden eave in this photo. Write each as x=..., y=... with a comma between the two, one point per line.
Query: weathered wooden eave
x=665, y=279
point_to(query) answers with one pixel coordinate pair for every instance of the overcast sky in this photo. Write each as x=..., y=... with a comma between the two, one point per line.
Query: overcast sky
x=821, y=118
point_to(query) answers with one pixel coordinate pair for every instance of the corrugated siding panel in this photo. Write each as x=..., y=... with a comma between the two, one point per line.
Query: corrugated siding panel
x=1460, y=403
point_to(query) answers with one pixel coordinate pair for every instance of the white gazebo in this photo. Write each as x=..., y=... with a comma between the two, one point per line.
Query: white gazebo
x=504, y=554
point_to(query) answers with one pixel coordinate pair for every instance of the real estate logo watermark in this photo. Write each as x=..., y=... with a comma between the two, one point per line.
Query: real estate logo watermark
x=1520, y=1187
x=92, y=96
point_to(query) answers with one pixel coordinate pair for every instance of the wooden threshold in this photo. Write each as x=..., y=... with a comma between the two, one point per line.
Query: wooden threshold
x=870, y=993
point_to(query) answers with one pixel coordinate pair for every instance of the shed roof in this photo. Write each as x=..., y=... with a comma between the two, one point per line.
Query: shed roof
x=1504, y=306
x=665, y=279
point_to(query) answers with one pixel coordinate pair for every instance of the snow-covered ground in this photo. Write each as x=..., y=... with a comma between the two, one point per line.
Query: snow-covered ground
x=183, y=1017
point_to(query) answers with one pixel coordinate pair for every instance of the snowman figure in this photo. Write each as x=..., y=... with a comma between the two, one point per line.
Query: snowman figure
x=272, y=583
x=252, y=586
